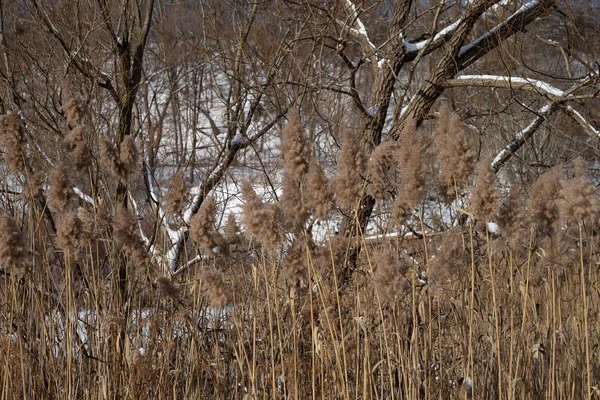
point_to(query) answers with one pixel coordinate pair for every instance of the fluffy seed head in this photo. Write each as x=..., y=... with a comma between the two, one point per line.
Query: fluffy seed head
x=218, y=292
x=543, y=201
x=449, y=262
x=109, y=158
x=232, y=230
x=485, y=199
x=13, y=139
x=293, y=205
x=71, y=234
x=295, y=149
x=578, y=196
x=263, y=221
x=454, y=154
x=177, y=193
x=128, y=154
x=202, y=228
x=379, y=170
x=512, y=218
x=126, y=236
x=319, y=198
x=167, y=287
x=70, y=106
x=14, y=254
x=60, y=188
x=409, y=191
x=389, y=277
x=351, y=168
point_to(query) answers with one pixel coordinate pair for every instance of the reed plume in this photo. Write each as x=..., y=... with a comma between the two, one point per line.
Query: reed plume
x=14, y=251
x=202, y=229
x=263, y=221
x=543, y=201
x=128, y=154
x=351, y=168
x=379, y=170
x=74, y=141
x=389, y=277
x=109, y=158
x=13, y=139
x=513, y=219
x=293, y=205
x=578, y=196
x=295, y=149
x=449, y=262
x=319, y=198
x=410, y=189
x=60, y=188
x=485, y=198
x=176, y=194
x=71, y=233
x=128, y=239
x=168, y=288
x=218, y=292
x=454, y=155
x=232, y=230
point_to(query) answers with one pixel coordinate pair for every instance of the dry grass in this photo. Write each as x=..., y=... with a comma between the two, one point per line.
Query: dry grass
x=85, y=312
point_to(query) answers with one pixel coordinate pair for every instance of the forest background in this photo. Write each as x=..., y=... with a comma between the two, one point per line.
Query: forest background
x=299, y=199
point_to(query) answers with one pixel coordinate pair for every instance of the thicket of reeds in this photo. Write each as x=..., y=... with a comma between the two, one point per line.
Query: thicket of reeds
x=453, y=309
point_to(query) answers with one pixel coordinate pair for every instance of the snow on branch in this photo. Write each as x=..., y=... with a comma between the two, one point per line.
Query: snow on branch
x=522, y=136
x=143, y=236
x=153, y=191
x=531, y=10
x=87, y=198
x=587, y=127
x=557, y=98
x=357, y=28
x=430, y=44
x=509, y=82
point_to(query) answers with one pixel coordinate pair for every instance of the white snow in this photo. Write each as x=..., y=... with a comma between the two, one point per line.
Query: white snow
x=238, y=139
x=414, y=47
x=541, y=86
x=581, y=120
x=372, y=110
x=522, y=135
x=491, y=32
x=83, y=196
x=493, y=228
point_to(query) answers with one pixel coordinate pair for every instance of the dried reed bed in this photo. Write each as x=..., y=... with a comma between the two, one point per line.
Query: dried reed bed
x=452, y=312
